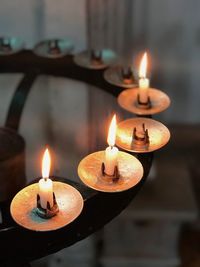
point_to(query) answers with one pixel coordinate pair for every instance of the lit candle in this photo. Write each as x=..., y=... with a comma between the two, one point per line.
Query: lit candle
x=143, y=81
x=111, y=152
x=46, y=184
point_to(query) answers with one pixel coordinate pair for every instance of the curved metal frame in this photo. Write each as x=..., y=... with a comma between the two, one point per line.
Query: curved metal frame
x=21, y=245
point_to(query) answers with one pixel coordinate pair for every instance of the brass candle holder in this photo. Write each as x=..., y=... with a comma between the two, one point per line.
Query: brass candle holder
x=26, y=209
x=128, y=172
x=152, y=135
x=120, y=76
x=53, y=48
x=10, y=45
x=95, y=59
x=157, y=102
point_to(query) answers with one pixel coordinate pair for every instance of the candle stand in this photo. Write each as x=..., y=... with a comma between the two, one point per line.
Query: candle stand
x=93, y=217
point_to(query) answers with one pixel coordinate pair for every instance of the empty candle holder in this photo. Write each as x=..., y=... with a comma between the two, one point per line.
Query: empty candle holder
x=152, y=135
x=120, y=76
x=127, y=75
x=53, y=48
x=5, y=44
x=49, y=211
x=10, y=45
x=95, y=59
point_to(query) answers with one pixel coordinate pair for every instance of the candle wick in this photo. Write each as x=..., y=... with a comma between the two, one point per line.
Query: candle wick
x=45, y=178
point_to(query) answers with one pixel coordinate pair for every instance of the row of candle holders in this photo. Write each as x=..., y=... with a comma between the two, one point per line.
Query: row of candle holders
x=48, y=205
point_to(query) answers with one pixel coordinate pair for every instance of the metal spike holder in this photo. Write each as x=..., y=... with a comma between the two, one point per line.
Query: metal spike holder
x=5, y=44
x=140, y=141
x=115, y=177
x=54, y=48
x=49, y=212
x=143, y=105
x=96, y=57
x=127, y=75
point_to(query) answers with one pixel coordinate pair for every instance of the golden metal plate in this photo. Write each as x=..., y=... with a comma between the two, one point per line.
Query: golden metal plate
x=83, y=59
x=127, y=99
x=159, y=135
x=113, y=76
x=10, y=45
x=42, y=49
x=23, y=207
x=130, y=170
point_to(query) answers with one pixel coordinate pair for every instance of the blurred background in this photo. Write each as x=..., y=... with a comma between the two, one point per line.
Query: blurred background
x=161, y=227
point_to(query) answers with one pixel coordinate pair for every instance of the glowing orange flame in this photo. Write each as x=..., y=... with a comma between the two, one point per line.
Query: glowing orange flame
x=46, y=164
x=143, y=66
x=112, y=132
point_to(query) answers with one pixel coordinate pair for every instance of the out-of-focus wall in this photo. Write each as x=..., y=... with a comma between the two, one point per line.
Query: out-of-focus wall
x=170, y=31
x=33, y=20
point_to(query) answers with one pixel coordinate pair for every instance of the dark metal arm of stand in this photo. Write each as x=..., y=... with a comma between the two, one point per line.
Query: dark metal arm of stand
x=18, y=100
x=18, y=244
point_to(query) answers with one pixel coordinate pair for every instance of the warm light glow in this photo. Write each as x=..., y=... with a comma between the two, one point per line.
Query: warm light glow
x=46, y=164
x=112, y=132
x=143, y=66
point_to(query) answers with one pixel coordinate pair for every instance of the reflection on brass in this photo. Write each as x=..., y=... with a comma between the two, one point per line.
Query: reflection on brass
x=24, y=207
x=120, y=76
x=53, y=48
x=90, y=172
x=128, y=100
x=158, y=135
x=10, y=45
x=95, y=59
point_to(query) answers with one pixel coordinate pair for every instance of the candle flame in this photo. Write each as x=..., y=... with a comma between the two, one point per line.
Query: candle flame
x=46, y=164
x=143, y=66
x=112, y=132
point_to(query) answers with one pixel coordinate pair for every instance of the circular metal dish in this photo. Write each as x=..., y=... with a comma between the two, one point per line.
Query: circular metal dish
x=10, y=45
x=84, y=60
x=113, y=75
x=128, y=100
x=23, y=207
x=130, y=172
x=54, y=48
x=159, y=135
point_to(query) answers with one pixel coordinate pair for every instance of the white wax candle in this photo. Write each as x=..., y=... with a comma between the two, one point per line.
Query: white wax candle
x=46, y=192
x=143, y=89
x=111, y=154
x=143, y=81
